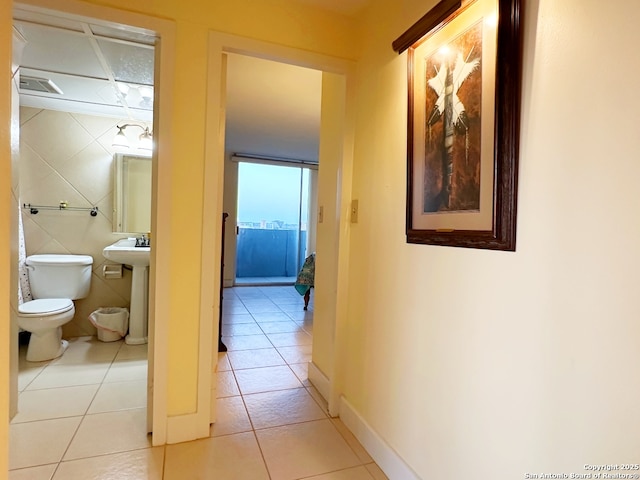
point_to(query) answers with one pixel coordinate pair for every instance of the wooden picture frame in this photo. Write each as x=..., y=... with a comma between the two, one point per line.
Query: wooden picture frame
x=464, y=85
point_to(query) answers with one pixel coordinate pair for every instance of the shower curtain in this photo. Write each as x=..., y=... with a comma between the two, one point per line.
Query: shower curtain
x=24, y=290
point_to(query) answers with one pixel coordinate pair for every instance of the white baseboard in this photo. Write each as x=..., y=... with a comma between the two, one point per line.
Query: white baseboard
x=184, y=428
x=319, y=380
x=385, y=457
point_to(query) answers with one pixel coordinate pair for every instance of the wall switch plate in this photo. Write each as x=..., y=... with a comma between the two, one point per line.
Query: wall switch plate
x=354, y=211
x=320, y=214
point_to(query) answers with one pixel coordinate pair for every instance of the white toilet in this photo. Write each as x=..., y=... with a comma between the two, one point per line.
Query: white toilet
x=55, y=281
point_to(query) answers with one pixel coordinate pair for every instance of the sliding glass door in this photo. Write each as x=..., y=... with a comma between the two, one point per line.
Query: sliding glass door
x=273, y=214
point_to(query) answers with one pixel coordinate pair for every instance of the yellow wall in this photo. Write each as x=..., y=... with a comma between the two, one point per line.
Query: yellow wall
x=468, y=363
x=480, y=364
x=279, y=21
x=329, y=173
x=282, y=22
x=5, y=221
x=285, y=22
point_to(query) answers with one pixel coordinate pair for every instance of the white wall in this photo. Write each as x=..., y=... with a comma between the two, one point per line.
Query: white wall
x=481, y=364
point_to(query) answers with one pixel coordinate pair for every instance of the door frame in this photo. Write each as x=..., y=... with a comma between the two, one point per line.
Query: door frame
x=159, y=274
x=219, y=45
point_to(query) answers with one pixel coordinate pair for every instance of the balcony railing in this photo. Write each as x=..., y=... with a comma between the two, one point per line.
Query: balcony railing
x=269, y=253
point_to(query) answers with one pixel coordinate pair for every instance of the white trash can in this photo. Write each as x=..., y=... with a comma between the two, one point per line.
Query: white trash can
x=112, y=323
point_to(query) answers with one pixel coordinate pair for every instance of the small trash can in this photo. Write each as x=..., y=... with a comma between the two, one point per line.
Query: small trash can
x=112, y=323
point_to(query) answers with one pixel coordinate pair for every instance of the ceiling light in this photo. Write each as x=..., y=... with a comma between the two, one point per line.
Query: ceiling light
x=146, y=93
x=124, y=88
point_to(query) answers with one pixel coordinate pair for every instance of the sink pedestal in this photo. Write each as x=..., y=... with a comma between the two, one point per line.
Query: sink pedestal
x=138, y=312
x=125, y=251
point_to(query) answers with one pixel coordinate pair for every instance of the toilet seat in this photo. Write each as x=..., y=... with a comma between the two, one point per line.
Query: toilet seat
x=45, y=306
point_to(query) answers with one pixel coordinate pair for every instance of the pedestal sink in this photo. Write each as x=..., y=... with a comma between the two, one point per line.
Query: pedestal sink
x=125, y=251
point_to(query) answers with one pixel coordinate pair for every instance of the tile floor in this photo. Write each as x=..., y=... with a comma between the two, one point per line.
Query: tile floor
x=83, y=415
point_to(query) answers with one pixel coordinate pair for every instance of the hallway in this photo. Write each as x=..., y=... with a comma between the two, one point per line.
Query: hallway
x=81, y=416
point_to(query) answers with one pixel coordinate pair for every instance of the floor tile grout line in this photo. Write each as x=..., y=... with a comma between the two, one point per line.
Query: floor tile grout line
x=241, y=394
x=75, y=433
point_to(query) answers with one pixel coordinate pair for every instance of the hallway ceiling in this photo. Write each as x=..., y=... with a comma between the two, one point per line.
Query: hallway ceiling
x=273, y=109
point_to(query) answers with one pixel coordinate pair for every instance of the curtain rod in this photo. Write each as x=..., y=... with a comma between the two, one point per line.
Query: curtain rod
x=277, y=160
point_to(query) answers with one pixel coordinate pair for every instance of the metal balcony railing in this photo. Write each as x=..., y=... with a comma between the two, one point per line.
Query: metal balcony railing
x=269, y=253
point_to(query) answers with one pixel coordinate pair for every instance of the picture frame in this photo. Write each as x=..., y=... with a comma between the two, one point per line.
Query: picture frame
x=464, y=87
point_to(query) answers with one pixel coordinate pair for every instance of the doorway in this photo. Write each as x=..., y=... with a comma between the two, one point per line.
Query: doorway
x=332, y=180
x=93, y=16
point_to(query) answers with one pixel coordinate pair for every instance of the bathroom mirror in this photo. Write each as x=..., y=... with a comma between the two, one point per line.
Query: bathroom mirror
x=131, y=194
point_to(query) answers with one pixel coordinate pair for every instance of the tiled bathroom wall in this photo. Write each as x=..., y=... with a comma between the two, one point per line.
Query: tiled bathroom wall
x=68, y=157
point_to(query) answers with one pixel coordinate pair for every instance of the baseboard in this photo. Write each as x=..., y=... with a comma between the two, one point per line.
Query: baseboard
x=319, y=380
x=184, y=428
x=385, y=457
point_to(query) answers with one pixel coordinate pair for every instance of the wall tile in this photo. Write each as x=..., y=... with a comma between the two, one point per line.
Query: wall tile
x=90, y=172
x=27, y=113
x=55, y=136
x=97, y=126
x=69, y=157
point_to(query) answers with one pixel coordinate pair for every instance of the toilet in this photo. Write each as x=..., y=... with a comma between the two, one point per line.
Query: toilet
x=55, y=280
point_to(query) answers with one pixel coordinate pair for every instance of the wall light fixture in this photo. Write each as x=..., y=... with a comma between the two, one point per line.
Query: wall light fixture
x=145, y=140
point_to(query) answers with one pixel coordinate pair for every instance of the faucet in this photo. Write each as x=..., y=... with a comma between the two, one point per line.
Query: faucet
x=143, y=241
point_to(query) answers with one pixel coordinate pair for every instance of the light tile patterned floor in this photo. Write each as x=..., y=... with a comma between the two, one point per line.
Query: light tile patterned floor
x=82, y=416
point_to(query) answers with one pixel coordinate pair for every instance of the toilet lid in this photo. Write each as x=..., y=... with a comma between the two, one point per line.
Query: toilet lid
x=45, y=306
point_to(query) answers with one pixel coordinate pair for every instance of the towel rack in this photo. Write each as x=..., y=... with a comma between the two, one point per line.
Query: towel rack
x=34, y=209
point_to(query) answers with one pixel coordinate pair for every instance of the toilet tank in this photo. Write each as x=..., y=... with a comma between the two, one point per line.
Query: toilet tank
x=59, y=276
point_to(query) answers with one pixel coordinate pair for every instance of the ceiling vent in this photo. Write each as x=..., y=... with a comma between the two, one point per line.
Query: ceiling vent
x=38, y=84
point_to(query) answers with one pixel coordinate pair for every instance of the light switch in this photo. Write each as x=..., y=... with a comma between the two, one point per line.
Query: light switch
x=354, y=211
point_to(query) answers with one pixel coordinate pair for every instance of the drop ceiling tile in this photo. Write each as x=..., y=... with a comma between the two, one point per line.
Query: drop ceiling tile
x=93, y=91
x=57, y=50
x=146, y=37
x=129, y=63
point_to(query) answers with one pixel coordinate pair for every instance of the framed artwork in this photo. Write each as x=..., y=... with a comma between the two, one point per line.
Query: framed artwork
x=464, y=76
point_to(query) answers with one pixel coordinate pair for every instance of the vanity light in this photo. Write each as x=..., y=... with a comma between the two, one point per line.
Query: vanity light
x=146, y=141
x=122, y=142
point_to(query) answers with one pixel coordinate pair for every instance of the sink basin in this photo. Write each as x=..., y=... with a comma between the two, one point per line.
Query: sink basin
x=125, y=251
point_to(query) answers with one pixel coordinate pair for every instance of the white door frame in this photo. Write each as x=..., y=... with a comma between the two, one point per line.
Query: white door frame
x=219, y=45
x=159, y=273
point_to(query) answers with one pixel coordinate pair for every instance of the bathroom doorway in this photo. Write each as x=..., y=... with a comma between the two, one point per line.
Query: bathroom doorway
x=96, y=132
